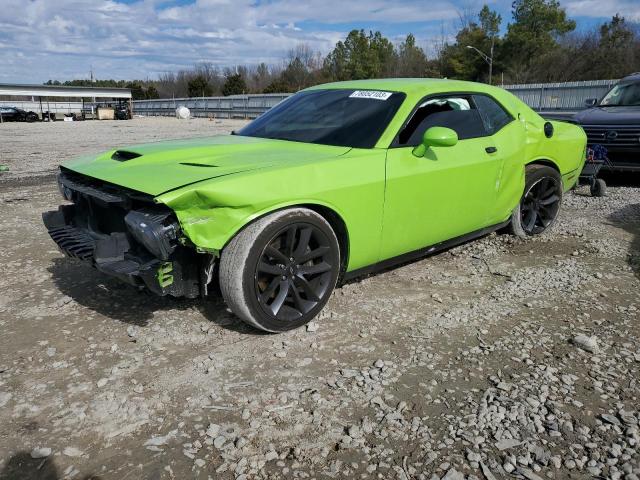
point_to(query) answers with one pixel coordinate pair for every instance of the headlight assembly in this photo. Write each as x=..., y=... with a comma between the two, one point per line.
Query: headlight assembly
x=157, y=232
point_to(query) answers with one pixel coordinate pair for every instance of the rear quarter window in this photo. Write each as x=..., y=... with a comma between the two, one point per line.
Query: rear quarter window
x=493, y=115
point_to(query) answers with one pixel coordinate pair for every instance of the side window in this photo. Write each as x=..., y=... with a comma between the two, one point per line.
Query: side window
x=458, y=113
x=493, y=115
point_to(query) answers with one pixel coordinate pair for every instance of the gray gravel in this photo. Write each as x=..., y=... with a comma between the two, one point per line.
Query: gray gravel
x=498, y=359
x=36, y=149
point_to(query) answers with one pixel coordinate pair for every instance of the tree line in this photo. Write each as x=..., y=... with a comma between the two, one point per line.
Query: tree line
x=539, y=44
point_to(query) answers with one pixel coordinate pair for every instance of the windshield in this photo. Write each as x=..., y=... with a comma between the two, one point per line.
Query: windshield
x=345, y=118
x=623, y=95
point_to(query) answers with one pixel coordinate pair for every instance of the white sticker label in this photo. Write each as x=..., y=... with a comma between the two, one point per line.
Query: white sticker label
x=374, y=94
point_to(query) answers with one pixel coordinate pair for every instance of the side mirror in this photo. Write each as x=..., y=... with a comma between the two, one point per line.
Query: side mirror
x=436, y=137
x=590, y=102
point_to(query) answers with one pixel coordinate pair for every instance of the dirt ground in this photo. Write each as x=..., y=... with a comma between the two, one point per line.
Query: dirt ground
x=501, y=358
x=36, y=149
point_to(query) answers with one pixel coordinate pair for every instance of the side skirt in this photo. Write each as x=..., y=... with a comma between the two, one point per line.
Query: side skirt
x=420, y=253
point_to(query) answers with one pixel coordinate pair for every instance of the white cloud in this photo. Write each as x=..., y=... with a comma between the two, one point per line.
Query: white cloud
x=61, y=39
x=630, y=9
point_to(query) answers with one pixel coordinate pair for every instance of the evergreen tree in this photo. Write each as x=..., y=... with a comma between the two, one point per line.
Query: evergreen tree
x=234, y=85
x=198, y=86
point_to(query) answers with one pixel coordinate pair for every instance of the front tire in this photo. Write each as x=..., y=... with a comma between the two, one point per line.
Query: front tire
x=539, y=207
x=279, y=272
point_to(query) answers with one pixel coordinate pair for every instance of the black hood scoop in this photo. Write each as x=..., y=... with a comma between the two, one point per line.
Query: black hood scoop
x=124, y=155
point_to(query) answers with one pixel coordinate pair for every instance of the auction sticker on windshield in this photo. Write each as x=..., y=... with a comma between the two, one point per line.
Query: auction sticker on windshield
x=375, y=94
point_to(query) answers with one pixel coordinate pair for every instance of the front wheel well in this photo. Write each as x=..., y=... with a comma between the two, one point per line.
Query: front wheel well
x=338, y=226
x=331, y=216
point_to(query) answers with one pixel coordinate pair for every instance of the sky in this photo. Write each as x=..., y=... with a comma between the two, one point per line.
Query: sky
x=140, y=39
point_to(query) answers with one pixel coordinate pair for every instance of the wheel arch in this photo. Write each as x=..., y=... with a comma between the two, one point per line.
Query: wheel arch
x=329, y=213
x=546, y=162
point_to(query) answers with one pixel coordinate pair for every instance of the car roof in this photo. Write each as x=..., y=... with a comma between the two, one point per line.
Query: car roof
x=408, y=85
x=634, y=77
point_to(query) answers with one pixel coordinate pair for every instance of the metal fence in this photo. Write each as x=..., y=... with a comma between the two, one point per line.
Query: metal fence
x=560, y=97
x=53, y=107
x=58, y=108
x=543, y=97
x=235, y=106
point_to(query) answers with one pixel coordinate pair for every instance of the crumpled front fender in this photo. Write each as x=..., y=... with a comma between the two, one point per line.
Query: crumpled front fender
x=210, y=216
x=352, y=187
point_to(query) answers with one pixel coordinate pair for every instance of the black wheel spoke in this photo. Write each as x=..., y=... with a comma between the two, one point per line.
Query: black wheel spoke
x=275, y=281
x=268, y=268
x=291, y=240
x=548, y=200
x=530, y=222
x=313, y=254
x=309, y=270
x=549, y=192
x=276, y=305
x=301, y=282
x=547, y=214
x=297, y=299
x=545, y=220
x=543, y=186
x=276, y=255
x=303, y=243
x=301, y=304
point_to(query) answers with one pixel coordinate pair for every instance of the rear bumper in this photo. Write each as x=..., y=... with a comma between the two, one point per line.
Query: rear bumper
x=122, y=253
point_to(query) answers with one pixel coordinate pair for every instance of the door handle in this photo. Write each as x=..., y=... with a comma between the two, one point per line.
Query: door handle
x=491, y=149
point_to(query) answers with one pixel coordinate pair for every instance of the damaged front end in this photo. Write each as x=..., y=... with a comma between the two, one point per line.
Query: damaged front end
x=126, y=235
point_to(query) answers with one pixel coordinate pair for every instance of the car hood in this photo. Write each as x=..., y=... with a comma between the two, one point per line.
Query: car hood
x=609, y=116
x=156, y=168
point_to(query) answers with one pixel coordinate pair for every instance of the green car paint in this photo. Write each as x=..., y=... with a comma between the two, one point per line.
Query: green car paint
x=390, y=201
x=164, y=274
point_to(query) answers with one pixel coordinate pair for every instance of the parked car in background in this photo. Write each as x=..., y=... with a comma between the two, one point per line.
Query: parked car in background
x=614, y=122
x=337, y=181
x=13, y=114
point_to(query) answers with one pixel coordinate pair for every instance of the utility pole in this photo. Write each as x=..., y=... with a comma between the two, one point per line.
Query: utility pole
x=486, y=58
x=93, y=99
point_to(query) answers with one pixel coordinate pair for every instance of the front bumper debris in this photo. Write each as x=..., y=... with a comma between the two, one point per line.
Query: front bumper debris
x=127, y=238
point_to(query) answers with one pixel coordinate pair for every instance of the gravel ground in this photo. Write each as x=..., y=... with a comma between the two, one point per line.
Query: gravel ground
x=36, y=149
x=498, y=359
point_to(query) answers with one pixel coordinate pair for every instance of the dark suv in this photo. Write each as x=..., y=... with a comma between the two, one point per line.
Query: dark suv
x=615, y=123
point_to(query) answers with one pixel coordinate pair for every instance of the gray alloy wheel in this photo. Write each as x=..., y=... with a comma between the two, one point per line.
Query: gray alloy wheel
x=279, y=272
x=539, y=207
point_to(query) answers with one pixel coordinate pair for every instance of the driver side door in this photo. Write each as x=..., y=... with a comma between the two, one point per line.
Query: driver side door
x=448, y=192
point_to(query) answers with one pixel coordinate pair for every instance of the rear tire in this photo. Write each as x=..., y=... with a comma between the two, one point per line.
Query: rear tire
x=539, y=207
x=279, y=272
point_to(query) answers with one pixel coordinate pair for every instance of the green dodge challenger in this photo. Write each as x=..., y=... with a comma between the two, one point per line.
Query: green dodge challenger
x=334, y=182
